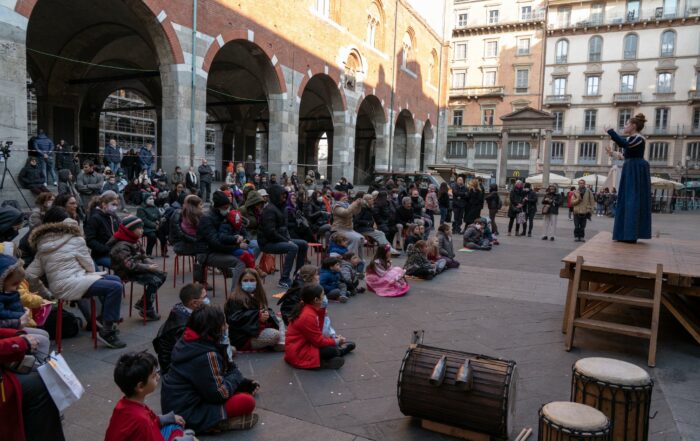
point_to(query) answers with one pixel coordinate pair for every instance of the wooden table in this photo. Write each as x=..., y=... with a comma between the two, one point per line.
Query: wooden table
x=617, y=266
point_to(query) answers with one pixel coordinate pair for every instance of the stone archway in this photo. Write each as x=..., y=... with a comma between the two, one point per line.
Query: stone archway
x=369, y=137
x=404, y=142
x=321, y=111
x=427, y=145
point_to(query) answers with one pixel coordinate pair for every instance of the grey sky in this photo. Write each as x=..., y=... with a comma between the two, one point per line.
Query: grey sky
x=432, y=11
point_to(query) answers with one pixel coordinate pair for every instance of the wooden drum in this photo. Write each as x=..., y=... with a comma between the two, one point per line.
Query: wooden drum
x=464, y=390
x=565, y=421
x=621, y=390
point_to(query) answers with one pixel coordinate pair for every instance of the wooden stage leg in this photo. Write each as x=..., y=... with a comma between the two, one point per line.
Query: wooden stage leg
x=457, y=432
x=572, y=305
x=655, y=314
x=569, y=290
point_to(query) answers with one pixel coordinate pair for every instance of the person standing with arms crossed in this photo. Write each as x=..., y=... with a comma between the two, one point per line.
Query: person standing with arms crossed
x=583, y=204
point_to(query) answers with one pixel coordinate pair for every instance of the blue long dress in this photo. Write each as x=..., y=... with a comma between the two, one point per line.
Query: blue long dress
x=633, y=213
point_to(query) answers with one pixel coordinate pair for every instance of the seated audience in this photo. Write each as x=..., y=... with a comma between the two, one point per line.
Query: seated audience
x=32, y=177
x=350, y=270
x=330, y=280
x=417, y=263
x=100, y=226
x=445, y=246
x=474, y=237
x=384, y=279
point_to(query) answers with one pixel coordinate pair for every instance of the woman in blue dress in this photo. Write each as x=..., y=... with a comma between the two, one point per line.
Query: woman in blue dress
x=633, y=213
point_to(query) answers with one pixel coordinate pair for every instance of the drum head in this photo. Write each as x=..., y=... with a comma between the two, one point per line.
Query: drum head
x=575, y=416
x=613, y=371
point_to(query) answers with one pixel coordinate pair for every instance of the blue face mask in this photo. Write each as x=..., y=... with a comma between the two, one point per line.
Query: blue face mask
x=324, y=302
x=248, y=286
x=206, y=301
x=224, y=340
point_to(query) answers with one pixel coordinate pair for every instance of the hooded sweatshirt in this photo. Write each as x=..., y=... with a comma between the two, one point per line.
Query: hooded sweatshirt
x=274, y=219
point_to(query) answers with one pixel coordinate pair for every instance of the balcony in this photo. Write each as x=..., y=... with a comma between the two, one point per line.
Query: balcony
x=472, y=130
x=557, y=101
x=533, y=16
x=594, y=20
x=478, y=92
x=693, y=96
x=627, y=98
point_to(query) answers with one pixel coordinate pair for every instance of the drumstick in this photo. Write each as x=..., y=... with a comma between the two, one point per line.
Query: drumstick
x=524, y=434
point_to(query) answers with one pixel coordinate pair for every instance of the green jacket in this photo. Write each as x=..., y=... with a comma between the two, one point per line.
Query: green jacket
x=150, y=217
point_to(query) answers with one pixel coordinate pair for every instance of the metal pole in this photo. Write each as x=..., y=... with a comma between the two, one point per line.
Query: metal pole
x=194, y=79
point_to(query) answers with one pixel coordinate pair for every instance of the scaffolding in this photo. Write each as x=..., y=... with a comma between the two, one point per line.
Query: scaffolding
x=131, y=128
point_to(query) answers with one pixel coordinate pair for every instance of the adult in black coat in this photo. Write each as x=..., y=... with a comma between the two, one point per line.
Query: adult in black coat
x=192, y=296
x=550, y=211
x=517, y=204
x=475, y=202
x=100, y=226
x=32, y=177
x=383, y=216
x=530, y=206
x=459, y=204
x=315, y=212
x=203, y=384
x=343, y=185
x=218, y=254
x=493, y=202
x=274, y=238
x=64, y=156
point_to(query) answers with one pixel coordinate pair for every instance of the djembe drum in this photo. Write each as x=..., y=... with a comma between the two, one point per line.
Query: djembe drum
x=464, y=390
x=565, y=421
x=621, y=390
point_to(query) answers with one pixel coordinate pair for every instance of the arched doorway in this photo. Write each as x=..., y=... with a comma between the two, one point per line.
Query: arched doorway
x=369, y=132
x=427, y=145
x=321, y=105
x=241, y=79
x=404, y=136
x=80, y=51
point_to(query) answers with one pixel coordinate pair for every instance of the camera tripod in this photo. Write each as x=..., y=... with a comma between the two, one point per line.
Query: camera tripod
x=6, y=171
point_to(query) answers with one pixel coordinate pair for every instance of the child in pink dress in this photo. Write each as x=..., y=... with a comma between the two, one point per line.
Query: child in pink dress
x=382, y=278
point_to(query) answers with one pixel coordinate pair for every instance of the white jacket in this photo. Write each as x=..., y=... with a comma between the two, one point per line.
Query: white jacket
x=63, y=256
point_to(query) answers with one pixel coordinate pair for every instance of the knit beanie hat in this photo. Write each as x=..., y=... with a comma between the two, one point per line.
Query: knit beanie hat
x=338, y=195
x=7, y=265
x=132, y=222
x=145, y=195
x=219, y=199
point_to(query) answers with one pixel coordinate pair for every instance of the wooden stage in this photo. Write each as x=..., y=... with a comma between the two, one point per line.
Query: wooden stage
x=616, y=273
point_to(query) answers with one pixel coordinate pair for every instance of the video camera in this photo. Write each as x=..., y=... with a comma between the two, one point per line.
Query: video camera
x=6, y=149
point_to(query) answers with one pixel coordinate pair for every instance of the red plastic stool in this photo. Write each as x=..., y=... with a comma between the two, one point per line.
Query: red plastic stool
x=316, y=248
x=59, y=323
x=213, y=280
x=145, y=301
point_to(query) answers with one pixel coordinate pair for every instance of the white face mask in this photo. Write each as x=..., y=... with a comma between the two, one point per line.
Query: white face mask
x=112, y=208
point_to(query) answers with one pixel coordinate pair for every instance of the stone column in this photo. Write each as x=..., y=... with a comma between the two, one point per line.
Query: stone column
x=381, y=147
x=13, y=90
x=502, y=170
x=546, y=157
x=343, y=146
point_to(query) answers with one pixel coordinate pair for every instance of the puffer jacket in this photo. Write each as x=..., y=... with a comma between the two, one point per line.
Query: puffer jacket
x=31, y=176
x=112, y=154
x=445, y=245
x=150, y=215
x=342, y=217
x=516, y=198
x=382, y=214
x=128, y=258
x=183, y=243
x=274, y=219
x=416, y=261
x=43, y=144
x=304, y=339
x=460, y=196
x=64, y=258
x=209, y=233
x=169, y=333
x=244, y=322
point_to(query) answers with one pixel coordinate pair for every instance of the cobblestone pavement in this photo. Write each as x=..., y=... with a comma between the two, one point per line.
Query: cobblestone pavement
x=506, y=303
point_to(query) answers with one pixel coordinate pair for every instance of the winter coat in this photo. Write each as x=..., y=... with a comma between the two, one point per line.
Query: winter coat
x=334, y=248
x=150, y=215
x=348, y=273
x=248, y=212
x=474, y=205
x=169, y=333
x=417, y=262
x=274, y=219
x=342, y=217
x=553, y=200
x=176, y=178
x=445, y=246
x=88, y=185
x=431, y=201
x=329, y=280
x=472, y=235
x=31, y=176
x=130, y=161
x=11, y=307
x=316, y=216
x=199, y=382
x=99, y=228
x=383, y=216
x=63, y=257
x=209, y=234
x=304, y=339
x=128, y=258
x=583, y=203
x=460, y=196
x=43, y=144
x=343, y=187
x=112, y=154
x=65, y=186
x=250, y=168
x=516, y=198
x=418, y=205
x=145, y=157
x=444, y=200
x=205, y=173
x=404, y=216
x=182, y=242
x=64, y=157
x=13, y=348
x=110, y=187
x=244, y=322
x=493, y=200
x=531, y=203
x=364, y=221
x=137, y=422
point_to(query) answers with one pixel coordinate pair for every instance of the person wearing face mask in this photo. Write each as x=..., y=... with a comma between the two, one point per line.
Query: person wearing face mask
x=583, y=203
x=517, y=203
x=150, y=215
x=89, y=182
x=252, y=324
x=474, y=237
x=101, y=225
x=192, y=296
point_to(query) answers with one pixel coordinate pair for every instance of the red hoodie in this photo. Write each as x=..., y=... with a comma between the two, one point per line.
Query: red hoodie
x=133, y=421
x=304, y=338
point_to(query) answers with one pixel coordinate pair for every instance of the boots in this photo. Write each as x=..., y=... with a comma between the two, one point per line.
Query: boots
x=151, y=314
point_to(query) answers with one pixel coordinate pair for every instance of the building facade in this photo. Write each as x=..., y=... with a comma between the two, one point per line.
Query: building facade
x=607, y=61
x=264, y=78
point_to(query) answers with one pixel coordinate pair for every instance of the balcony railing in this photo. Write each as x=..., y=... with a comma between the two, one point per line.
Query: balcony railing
x=557, y=100
x=693, y=96
x=631, y=17
x=462, y=130
x=533, y=16
x=677, y=130
x=478, y=91
x=627, y=97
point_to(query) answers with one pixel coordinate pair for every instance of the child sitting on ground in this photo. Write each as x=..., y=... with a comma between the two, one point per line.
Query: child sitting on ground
x=417, y=263
x=382, y=278
x=474, y=237
x=129, y=261
x=330, y=280
x=307, y=275
x=232, y=233
x=338, y=245
x=445, y=246
x=415, y=234
x=137, y=376
x=306, y=347
x=13, y=313
x=349, y=273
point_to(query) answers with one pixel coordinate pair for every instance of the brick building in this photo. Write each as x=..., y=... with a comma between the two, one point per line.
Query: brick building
x=272, y=79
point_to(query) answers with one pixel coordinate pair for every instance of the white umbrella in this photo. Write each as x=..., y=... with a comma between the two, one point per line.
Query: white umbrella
x=613, y=179
x=553, y=179
x=665, y=183
x=594, y=180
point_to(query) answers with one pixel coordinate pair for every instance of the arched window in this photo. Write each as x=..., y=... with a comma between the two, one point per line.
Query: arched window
x=374, y=23
x=668, y=43
x=561, y=51
x=408, y=47
x=433, y=71
x=630, y=46
x=595, y=48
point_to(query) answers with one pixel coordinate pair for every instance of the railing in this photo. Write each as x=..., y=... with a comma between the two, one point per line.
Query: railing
x=478, y=91
x=533, y=16
x=678, y=130
x=630, y=17
x=694, y=95
x=627, y=97
x=661, y=131
x=457, y=130
x=553, y=100
x=556, y=160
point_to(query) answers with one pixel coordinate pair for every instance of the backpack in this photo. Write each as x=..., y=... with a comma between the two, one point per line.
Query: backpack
x=70, y=327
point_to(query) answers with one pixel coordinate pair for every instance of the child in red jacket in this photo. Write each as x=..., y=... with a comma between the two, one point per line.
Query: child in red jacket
x=137, y=376
x=305, y=345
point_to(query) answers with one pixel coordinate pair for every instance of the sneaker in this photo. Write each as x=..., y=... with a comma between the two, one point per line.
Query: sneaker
x=361, y=290
x=343, y=299
x=151, y=315
x=110, y=339
x=243, y=422
x=333, y=363
x=544, y=238
x=347, y=348
x=395, y=252
x=552, y=238
x=284, y=284
x=529, y=234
